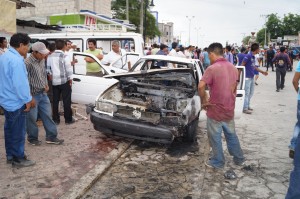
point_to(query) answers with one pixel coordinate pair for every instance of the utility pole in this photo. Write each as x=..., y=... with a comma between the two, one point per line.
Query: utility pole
x=127, y=10
x=265, y=16
x=142, y=18
x=190, y=19
x=197, y=30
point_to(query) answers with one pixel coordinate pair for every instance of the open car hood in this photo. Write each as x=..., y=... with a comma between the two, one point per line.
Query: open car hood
x=152, y=71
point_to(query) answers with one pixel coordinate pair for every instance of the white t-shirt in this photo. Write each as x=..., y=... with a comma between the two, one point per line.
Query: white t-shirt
x=256, y=60
x=112, y=57
x=173, y=53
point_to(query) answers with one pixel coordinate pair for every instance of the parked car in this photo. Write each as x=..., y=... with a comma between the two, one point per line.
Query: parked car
x=154, y=104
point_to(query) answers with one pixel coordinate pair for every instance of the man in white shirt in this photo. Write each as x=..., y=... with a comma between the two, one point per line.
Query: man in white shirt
x=60, y=70
x=115, y=54
x=175, y=49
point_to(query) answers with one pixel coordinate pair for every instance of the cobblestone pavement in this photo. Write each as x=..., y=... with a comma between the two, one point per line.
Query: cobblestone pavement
x=178, y=171
x=58, y=167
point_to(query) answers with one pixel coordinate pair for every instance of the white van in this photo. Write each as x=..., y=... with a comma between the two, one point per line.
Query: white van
x=130, y=41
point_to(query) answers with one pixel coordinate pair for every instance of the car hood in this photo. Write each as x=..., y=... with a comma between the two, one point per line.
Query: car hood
x=152, y=71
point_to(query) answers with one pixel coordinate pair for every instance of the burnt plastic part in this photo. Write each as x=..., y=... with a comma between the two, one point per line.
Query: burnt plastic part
x=191, y=131
x=131, y=129
x=89, y=108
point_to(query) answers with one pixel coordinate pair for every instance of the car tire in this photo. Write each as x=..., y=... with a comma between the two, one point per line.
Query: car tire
x=191, y=131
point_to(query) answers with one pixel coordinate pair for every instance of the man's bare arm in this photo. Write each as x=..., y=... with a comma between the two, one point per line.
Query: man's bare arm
x=296, y=81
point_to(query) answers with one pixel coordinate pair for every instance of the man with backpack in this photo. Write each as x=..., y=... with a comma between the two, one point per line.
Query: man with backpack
x=282, y=61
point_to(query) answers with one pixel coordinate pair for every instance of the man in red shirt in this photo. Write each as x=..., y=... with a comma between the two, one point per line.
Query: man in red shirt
x=221, y=78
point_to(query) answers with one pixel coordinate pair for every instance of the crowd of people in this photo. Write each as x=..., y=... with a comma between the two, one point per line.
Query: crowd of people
x=29, y=82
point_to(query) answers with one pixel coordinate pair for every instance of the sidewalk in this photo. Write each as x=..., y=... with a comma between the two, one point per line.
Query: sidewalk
x=58, y=167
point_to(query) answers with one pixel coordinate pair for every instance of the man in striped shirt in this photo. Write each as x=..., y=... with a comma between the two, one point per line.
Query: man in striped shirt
x=60, y=72
x=37, y=78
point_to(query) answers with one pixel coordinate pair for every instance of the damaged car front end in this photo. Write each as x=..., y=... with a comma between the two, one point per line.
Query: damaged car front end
x=155, y=105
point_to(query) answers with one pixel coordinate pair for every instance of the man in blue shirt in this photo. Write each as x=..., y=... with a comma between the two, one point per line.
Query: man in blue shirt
x=241, y=56
x=294, y=191
x=249, y=63
x=15, y=99
x=206, y=61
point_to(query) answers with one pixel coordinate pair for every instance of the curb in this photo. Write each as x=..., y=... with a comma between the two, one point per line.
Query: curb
x=86, y=181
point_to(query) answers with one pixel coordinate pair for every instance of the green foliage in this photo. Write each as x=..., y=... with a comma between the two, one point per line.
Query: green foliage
x=260, y=37
x=277, y=27
x=274, y=26
x=246, y=40
x=119, y=11
x=291, y=24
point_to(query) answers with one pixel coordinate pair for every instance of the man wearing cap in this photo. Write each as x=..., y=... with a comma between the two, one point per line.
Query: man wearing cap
x=37, y=78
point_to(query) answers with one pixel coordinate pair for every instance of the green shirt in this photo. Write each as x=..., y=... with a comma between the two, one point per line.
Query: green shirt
x=93, y=67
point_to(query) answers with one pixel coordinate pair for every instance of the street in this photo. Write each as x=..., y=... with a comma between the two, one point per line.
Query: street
x=178, y=171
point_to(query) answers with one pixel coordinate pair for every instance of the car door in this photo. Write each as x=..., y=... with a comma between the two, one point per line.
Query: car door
x=86, y=88
x=240, y=96
x=125, y=59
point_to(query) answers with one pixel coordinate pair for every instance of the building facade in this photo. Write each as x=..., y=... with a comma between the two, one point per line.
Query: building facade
x=167, y=33
x=47, y=8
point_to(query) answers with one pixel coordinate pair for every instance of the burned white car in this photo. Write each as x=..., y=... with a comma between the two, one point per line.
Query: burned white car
x=156, y=101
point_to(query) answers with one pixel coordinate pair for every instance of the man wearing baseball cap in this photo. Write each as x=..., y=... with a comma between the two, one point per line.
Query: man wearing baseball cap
x=37, y=78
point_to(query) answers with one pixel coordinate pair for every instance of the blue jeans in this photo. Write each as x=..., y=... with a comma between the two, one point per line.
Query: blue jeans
x=43, y=109
x=294, y=187
x=296, y=129
x=14, y=133
x=214, y=132
x=249, y=91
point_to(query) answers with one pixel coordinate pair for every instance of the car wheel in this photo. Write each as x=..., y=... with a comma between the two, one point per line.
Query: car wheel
x=191, y=131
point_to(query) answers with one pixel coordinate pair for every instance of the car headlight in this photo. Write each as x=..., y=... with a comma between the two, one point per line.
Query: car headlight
x=106, y=107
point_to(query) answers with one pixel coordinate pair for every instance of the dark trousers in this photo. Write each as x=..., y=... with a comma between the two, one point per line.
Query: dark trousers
x=64, y=90
x=280, y=77
x=294, y=190
x=270, y=63
x=14, y=133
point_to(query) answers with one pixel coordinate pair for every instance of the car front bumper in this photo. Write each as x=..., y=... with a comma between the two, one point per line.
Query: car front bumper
x=131, y=129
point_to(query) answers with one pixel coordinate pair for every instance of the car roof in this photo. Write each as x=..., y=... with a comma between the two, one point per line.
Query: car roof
x=168, y=58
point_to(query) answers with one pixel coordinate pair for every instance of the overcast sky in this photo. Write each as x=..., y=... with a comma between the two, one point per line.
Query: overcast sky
x=220, y=20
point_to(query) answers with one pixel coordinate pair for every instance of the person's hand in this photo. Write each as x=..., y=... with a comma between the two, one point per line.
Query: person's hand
x=206, y=105
x=29, y=105
x=70, y=82
x=265, y=73
x=46, y=88
x=49, y=77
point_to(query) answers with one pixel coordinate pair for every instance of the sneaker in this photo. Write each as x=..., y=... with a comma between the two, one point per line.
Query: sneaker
x=250, y=109
x=34, y=142
x=9, y=161
x=71, y=122
x=256, y=83
x=291, y=153
x=211, y=166
x=22, y=162
x=247, y=111
x=54, y=141
x=242, y=163
x=277, y=90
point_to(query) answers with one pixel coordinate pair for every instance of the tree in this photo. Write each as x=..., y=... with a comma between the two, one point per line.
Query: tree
x=246, y=40
x=119, y=11
x=260, y=37
x=274, y=26
x=291, y=24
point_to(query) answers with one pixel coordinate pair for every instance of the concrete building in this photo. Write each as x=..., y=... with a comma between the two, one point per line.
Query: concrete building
x=44, y=8
x=167, y=33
